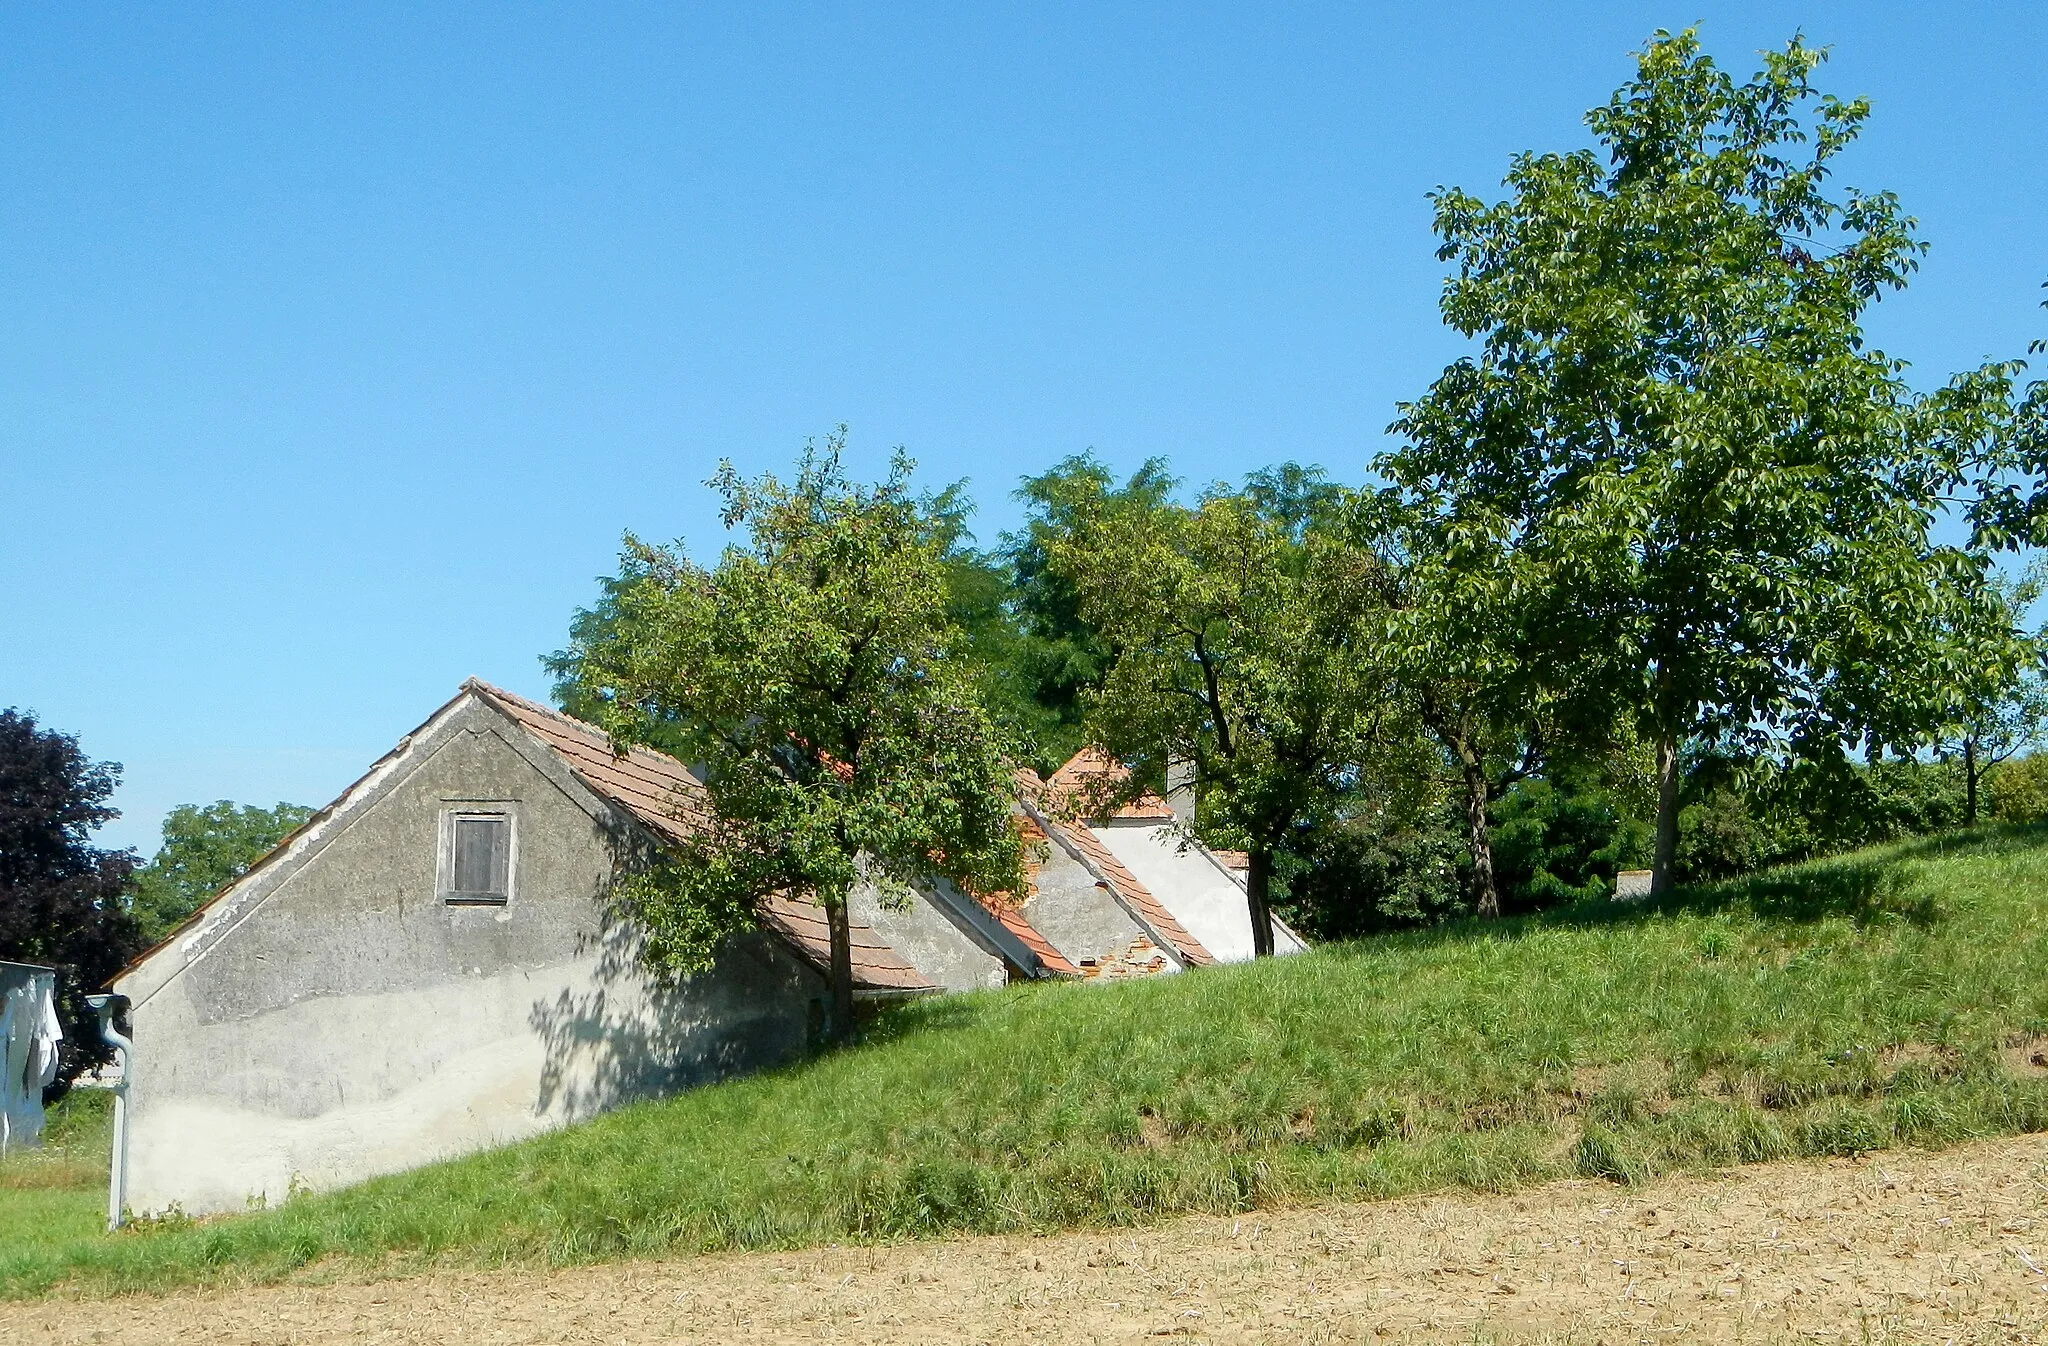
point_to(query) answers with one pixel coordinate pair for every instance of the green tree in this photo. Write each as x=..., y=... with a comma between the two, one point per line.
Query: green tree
x=205, y=848
x=2003, y=711
x=1998, y=443
x=1058, y=657
x=815, y=674
x=1708, y=479
x=1464, y=655
x=1247, y=645
x=1023, y=674
x=1011, y=661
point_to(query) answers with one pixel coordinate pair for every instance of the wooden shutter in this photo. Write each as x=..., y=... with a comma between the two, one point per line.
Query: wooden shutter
x=480, y=859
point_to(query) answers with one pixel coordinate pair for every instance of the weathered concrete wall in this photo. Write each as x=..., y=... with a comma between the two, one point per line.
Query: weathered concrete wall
x=929, y=940
x=350, y=1023
x=1079, y=917
x=1201, y=896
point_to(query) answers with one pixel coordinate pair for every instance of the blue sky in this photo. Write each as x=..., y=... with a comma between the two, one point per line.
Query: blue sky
x=339, y=343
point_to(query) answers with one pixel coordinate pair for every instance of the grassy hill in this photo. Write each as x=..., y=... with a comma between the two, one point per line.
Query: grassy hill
x=1894, y=996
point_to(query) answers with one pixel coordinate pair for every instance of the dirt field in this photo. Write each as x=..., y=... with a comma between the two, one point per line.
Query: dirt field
x=1902, y=1247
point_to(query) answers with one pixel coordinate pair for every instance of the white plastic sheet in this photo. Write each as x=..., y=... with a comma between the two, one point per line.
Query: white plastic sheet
x=30, y=1036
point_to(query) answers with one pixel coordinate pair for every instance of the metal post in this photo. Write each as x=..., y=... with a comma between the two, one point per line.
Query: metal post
x=124, y=1050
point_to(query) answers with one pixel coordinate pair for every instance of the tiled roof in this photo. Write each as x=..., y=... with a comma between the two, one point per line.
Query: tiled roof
x=877, y=968
x=662, y=794
x=1136, y=897
x=1090, y=774
x=652, y=786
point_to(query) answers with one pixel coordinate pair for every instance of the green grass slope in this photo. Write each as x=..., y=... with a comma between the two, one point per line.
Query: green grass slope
x=1888, y=997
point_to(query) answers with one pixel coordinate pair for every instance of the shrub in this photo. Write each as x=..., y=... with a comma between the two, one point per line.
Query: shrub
x=2019, y=790
x=1556, y=842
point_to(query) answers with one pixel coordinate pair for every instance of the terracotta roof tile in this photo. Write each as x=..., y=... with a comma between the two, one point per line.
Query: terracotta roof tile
x=663, y=794
x=877, y=968
x=1011, y=914
x=1090, y=774
x=652, y=786
x=1014, y=921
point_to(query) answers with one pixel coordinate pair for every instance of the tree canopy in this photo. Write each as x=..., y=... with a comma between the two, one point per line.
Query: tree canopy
x=1248, y=642
x=817, y=677
x=205, y=848
x=1653, y=563
x=1675, y=422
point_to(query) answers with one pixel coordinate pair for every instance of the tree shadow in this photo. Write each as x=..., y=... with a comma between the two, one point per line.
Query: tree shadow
x=621, y=1034
x=1863, y=891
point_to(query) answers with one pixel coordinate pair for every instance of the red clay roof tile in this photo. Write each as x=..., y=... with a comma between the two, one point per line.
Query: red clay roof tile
x=1089, y=776
x=1136, y=897
x=663, y=794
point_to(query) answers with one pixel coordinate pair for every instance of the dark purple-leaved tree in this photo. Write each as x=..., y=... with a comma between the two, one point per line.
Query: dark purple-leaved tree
x=61, y=898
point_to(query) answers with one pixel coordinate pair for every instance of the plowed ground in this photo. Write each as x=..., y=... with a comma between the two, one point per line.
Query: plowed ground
x=1897, y=1247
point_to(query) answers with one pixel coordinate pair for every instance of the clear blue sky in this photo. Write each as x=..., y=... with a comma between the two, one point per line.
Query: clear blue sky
x=339, y=343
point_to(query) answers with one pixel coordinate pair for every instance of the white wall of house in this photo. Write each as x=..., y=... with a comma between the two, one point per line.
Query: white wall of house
x=1191, y=885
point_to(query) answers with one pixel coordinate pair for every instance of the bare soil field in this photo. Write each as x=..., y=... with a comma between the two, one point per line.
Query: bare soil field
x=1896, y=1247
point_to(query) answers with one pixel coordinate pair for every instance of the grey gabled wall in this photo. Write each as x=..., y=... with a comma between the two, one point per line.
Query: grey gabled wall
x=929, y=939
x=343, y=1021
x=1075, y=913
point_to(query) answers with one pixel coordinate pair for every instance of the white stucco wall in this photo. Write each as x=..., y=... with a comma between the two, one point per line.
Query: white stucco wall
x=1201, y=896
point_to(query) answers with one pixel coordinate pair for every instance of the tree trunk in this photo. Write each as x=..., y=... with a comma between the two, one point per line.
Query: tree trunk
x=842, y=971
x=1969, y=782
x=1258, y=886
x=1485, y=895
x=1667, y=813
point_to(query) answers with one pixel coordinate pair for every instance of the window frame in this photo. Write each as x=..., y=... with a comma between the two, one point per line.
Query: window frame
x=444, y=866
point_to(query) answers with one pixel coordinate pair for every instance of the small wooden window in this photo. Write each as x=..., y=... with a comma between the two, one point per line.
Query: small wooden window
x=479, y=865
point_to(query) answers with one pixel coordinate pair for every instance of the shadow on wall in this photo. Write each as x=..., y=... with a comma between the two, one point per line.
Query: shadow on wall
x=625, y=1036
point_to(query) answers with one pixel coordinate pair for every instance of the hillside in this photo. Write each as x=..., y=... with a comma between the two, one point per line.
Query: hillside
x=1889, y=997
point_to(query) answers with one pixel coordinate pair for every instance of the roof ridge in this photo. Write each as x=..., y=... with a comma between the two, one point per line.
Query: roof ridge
x=542, y=708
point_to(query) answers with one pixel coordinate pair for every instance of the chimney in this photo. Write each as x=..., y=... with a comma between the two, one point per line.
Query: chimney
x=1180, y=788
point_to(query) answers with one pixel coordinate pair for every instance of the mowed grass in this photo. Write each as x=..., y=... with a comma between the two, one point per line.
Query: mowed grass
x=1895, y=996
x=54, y=1196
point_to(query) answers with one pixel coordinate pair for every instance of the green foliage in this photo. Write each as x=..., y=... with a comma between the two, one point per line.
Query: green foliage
x=2001, y=450
x=205, y=848
x=1056, y=657
x=1557, y=842
x=1707, y=477
x=817, y=676
x=1248, y=644
x=1833, y=1008
x=1736, y=821
x=1373, y=874
x=60, y=896
x=2019, y=790
x=2003, y=712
